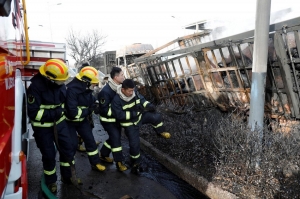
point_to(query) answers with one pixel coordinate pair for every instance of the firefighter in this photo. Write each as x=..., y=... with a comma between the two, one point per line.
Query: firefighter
x=46, y=97
x=113, y=129
x=132, y=110
x=80, y=146
x=80, y=104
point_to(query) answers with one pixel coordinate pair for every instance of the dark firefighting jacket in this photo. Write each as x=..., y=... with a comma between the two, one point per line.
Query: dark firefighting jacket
x=129, y=113
x=105, y=97
x=45, y=102
x=80, y=100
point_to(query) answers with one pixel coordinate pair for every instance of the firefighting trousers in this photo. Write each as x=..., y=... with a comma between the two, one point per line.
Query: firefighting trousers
x=155, y=119
x=113, y=143
x=45, y=140
x=132, y=133
x=85, y=131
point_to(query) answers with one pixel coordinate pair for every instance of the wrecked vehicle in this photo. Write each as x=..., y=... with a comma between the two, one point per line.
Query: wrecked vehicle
x=193, y=72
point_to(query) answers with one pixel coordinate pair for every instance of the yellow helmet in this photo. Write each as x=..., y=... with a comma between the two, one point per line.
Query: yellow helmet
x=88, y=74
x=55, y=69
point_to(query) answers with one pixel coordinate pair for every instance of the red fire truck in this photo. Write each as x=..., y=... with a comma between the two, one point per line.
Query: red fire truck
x=19, y=61
x=13, y=122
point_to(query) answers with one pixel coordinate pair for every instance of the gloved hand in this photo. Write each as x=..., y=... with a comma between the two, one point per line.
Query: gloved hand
x=140, y=109
x=94, y=108
x=151, y=108
x=133, y=114
x=91, y=109
x=58, y=113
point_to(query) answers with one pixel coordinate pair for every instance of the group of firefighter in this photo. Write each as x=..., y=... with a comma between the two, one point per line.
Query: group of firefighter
x=59, y=113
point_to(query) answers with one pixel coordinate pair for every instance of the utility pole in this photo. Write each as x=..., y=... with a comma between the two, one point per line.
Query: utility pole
x=259, y=73
x=260, y=58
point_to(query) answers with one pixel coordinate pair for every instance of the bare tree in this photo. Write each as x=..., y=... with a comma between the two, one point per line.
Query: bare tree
x=87, y=47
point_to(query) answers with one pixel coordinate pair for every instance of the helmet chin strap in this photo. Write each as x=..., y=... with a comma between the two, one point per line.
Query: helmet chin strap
x=89, y=86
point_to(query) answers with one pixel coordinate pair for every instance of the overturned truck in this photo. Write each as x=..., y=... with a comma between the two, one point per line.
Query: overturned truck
x=194, y=72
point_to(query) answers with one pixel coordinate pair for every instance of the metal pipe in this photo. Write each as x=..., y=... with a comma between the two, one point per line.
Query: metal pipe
x=260, y=58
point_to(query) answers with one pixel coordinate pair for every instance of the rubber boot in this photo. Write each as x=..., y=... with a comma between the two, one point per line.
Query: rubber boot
x=69, y=181
x=136, y=169
x=165, y=135
x=52, y=187
x=81, y=148
x=121, y=166
x=106, y=159
x=98, y=167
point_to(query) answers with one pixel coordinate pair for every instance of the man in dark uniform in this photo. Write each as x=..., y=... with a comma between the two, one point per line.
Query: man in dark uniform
x=80, y=146
x=79, y=105
x=46, y=98
x=113, y=144
x=131, y=109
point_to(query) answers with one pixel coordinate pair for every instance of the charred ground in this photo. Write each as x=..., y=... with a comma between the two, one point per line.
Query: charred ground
x=220, y=147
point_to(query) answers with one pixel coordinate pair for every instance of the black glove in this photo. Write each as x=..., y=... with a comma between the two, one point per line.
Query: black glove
x=91, y=121
x=58, y=113
x=140, y=109
x=94, y=108
x=151, y=108
x=133, y=114
x=91, y=109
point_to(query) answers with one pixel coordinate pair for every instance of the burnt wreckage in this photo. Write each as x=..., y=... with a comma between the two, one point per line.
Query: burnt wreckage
x=190, y=72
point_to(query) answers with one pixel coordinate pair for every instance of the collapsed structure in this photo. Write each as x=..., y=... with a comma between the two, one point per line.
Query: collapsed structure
x=194, y=72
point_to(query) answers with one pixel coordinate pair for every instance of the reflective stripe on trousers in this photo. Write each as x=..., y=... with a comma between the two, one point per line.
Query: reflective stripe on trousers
x=107, y=145
x=135, y=156
x=116, y=149
x=50, y=172
x=92, y=152
x=66, y=164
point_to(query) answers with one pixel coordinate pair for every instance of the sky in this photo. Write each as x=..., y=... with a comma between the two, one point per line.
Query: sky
x=125, y=22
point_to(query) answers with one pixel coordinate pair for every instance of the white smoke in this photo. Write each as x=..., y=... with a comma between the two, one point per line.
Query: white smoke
x=230, y=26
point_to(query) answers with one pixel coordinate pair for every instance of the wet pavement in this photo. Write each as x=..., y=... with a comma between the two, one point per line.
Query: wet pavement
x=154, y=183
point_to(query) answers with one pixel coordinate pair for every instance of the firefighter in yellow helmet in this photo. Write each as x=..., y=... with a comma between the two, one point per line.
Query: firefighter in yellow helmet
x=79, y=105
x=46, y=97
x=80, y=145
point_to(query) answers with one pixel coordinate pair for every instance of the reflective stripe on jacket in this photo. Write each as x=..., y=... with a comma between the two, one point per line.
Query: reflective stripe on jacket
x=47, y=124
x=45, y=101
x=105, y=97
x=78, y=101
x=129, y=113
